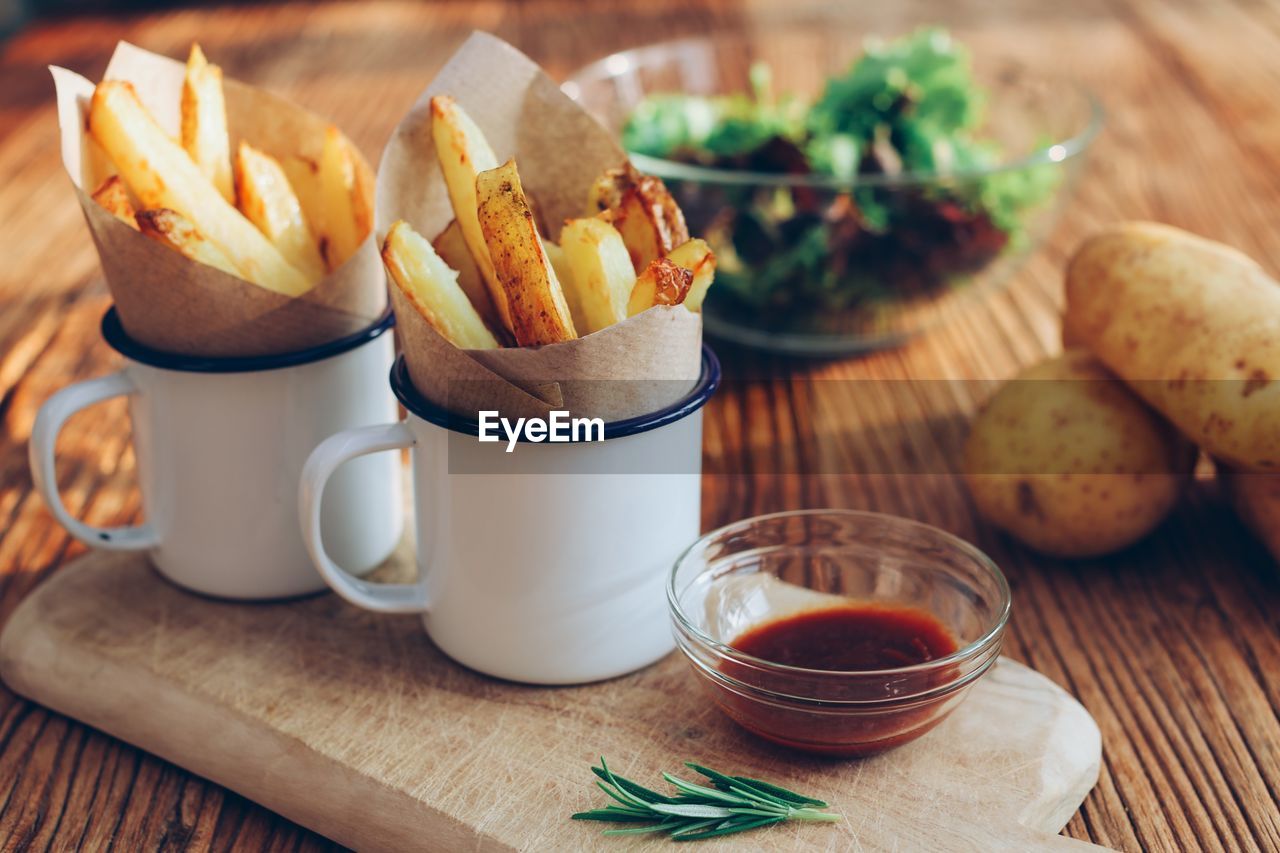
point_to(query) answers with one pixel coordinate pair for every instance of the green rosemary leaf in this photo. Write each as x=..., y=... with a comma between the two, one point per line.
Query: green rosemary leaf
x=618, y=792
x=760, y=796
x=632, y=788
x=697, y=826
x=613, y=813
x=637, y=830
x=730, y=827
x=622, y=797
x=699, y=791
x=778, y=791
x=691, y=810
x=735, y=804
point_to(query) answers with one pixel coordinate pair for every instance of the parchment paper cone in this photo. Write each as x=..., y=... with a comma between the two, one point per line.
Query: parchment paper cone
x=560, y=150
x=172, y=304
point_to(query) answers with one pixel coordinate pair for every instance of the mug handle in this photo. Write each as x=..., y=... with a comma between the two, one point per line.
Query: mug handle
x=44, y=436
x=324, y=460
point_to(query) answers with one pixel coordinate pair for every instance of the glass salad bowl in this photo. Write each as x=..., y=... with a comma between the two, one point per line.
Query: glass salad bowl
x=862, y=206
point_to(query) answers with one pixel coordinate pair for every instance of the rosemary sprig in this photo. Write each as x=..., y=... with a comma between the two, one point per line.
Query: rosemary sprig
x=730, y=804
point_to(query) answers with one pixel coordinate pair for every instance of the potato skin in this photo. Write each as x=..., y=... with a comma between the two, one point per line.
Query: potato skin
x=1193, y=326
x=1068, y=461
x=1256, y=499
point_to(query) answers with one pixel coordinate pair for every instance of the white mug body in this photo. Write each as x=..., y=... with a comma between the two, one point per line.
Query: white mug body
x=219, y=456
x=543, y=565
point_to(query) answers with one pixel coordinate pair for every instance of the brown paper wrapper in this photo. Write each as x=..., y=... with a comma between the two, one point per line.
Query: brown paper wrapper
x=629, y=369
x=170, y=303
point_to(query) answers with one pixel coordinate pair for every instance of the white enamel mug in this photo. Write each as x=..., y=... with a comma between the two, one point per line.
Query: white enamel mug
x=220, y=444
x=544, y=565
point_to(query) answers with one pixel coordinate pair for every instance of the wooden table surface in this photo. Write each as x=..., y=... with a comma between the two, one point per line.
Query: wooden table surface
x=1173, y=646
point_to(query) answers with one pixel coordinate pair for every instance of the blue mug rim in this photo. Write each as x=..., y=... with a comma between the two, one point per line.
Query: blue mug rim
x=118, y=339
x=709, y=380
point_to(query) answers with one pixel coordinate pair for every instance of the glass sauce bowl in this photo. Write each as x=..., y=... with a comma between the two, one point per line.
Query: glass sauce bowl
x=756, y=571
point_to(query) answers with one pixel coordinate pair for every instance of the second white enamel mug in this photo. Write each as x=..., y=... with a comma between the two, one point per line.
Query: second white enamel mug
x=544, y=565
x=220, y=445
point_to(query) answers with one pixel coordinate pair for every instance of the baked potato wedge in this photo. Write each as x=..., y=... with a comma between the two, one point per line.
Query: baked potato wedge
x=452, y=248
x=601, y=277
x=112, y=197
x=464, y=153
x=162, y=175
x=204, y=122
x=344, y=210
x=178, y=233
x=433, y=288
x=696, y=256
x=265, y=196
x=663, y=282
x=535, y=301
x=643, y=211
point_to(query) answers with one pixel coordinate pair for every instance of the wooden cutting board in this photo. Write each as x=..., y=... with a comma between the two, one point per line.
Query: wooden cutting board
x=357, y=727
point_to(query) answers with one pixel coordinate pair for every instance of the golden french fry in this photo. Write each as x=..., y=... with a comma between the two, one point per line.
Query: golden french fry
x=451, y=246
x=662, y=283
x=267, y=199
x=433, y=288
x=161, y=175
x=204, y=122
x=602, y=277
x=464, y=153
x=345, y=218
x=643, y=211
x=696, y=256
x=178, y=233
x=304, y=177
x=114, y=199
x=535, y=301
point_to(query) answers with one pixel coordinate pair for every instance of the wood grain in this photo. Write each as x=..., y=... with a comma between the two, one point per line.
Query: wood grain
x=1173, y=646
x=358, y=727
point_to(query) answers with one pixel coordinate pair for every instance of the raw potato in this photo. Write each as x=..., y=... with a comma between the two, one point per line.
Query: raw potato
x=161, y=175
x=176, y=231
x=267, y=199
x=114, y=199
x=535, y=300
x=433, y=288
x=601, y=278
x=1256, y=498
x=1193, y=326
x=204, y=122
x=464, y=153
x=1067, y=460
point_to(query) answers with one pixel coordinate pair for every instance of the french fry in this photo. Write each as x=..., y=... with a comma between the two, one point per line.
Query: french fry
x=464, y=153
x=602, y=277
x=204, y=122
x=345, y=217
x=161, y=175
x=267, y=199
x=643, y=211
x=535, y=301
x=696, y=256
x=178, y=233
x=114, y=199
x=433, y=288
x=304, y=177
x=451, y=246
x=661, y=283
